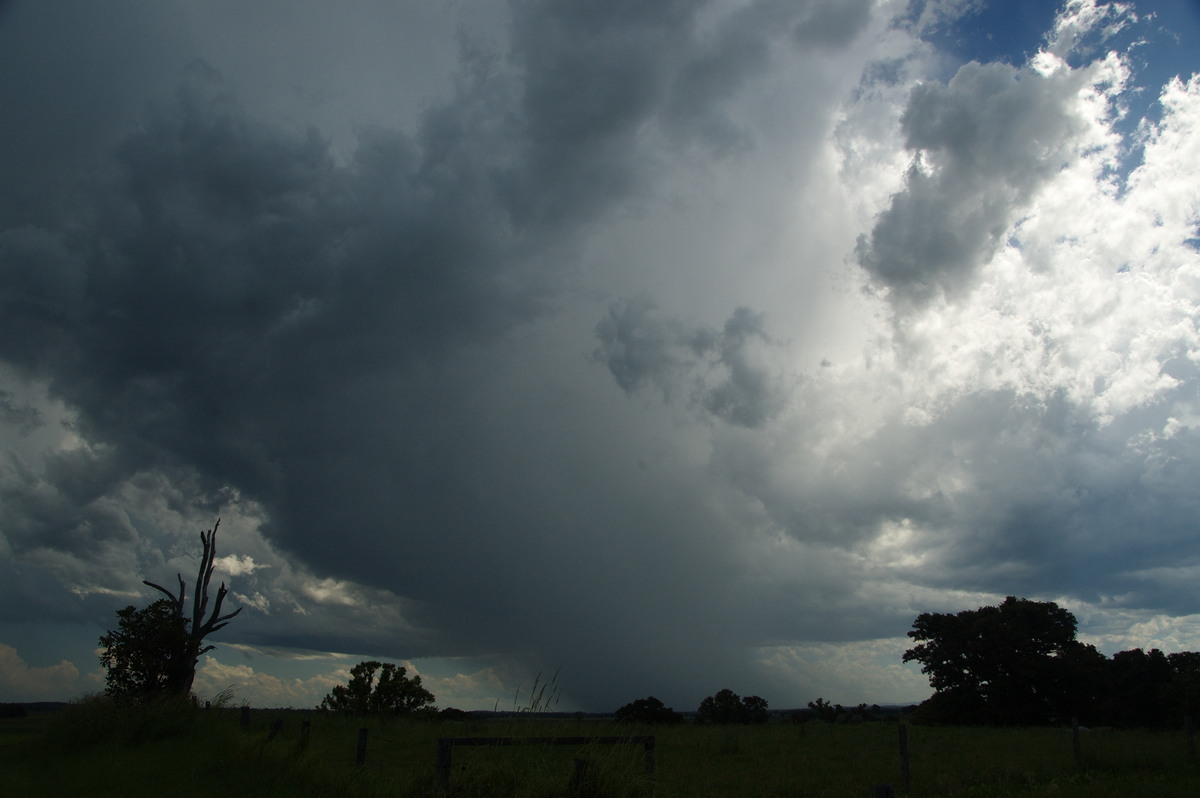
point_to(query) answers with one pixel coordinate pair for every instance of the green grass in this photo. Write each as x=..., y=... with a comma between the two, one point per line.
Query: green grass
x=98, y=749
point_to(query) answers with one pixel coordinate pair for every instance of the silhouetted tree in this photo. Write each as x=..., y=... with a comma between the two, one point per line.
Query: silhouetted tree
x=1184, y=691
x=1008, y=664
x=393, y=694
x=156, y=649
x=1140, y=686
x=187, y=655
x=824, y=710
x=727, y=707
x=648, y=710
x=754, y=709
x=138, y=654
x=1081, y=683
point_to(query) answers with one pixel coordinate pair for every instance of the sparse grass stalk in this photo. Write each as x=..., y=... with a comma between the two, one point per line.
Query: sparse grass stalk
x=538, y=700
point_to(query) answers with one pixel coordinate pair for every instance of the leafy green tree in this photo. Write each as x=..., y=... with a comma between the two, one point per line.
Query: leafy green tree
x=1011, y=664
x=649, y=711
x=727, y=707
x=156, y=649
x=393, y=693
x=139, y=653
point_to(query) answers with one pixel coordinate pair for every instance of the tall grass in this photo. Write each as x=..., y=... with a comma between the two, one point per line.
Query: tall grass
x=98, y=720
x=101, y=747
x=538, y=701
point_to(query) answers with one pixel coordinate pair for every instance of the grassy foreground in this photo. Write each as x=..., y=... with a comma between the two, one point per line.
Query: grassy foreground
x=95, y=749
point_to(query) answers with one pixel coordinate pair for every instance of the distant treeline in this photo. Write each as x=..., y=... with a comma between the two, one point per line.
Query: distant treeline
x=1132, y=689
x=1137, y=688
x=18, y=710
x=1019, y=664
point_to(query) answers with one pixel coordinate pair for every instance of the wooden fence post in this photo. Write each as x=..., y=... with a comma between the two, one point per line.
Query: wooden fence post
x=245, y=717
x=444, y=753
x=882, y=791
x=1189, y=725
x=904, y=771
x=275, y=726
x=578, y=784
x=361, y=755
x=1076, y=745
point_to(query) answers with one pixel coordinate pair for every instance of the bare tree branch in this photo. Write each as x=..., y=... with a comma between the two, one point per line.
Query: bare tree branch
x=185, y=660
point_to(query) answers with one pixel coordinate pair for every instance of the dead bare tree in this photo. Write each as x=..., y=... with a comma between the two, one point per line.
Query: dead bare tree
x=182, y=662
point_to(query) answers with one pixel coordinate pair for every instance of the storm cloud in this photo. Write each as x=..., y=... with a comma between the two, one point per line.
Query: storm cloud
x=683, y=345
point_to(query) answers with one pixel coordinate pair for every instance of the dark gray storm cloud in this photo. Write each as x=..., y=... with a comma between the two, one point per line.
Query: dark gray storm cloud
x=69, y=117
x=983, y=143
x=24, y=417
x=638, y=347
x=226, y=302
x=1058, y=502
x=236, y=278
x=721, y=371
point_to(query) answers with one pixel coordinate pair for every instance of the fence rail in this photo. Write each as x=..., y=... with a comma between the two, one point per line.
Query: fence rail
x=446, y=746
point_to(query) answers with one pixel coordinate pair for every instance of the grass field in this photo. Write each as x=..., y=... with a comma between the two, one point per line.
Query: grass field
x=94, y=750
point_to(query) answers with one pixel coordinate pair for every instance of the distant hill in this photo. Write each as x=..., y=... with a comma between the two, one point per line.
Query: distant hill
x=37, y=707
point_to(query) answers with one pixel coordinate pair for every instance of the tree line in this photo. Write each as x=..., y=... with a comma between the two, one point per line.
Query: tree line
x=1019, y=663
x=724, y=707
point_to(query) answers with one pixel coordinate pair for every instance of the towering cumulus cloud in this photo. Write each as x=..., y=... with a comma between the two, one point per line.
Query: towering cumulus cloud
x=685, y=345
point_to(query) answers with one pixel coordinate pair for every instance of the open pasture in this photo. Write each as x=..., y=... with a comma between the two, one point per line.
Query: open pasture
x=206, y=753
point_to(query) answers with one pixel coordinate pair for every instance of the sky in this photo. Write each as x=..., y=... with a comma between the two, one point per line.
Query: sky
x=669, y=347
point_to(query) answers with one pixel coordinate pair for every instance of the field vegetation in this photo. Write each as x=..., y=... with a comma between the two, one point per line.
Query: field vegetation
x=102, y=747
